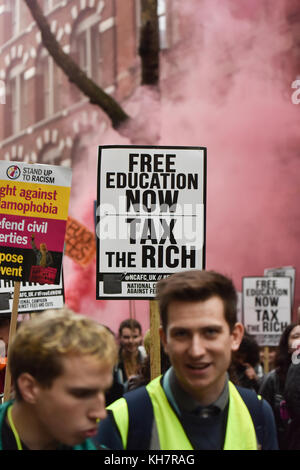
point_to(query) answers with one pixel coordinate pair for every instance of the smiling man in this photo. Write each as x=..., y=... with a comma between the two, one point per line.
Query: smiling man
x=130, y=355
x=61, y=365
x=193, y=405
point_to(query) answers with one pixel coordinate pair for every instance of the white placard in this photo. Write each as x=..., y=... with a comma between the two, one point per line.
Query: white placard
x=150, y=217
x=33, y=297
x=266, y=308
x=283, y=271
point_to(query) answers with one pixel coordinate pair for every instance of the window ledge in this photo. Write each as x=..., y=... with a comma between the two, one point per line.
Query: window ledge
x=43, y=122
x=30, y=27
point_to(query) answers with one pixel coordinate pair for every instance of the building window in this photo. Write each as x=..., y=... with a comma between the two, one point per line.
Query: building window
x=2, y=92
x=14, y=6
x=86, y=47
x=48, y=86
x=50, y=155
x=58, y=76
x=49, y=5
x=45, y=89
x=162, y=23
x=15, y=98
x=18, y=100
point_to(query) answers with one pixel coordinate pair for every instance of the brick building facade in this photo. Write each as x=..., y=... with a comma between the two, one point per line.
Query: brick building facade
x=44, y=116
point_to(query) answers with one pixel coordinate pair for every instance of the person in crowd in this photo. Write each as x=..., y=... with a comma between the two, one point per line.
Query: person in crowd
x=4, y=336
x=244, y=361
x=272, y=386
x=144, y=377
x=272, y=352
x=259, y=368
x=131, y=354
x=61, y=365
x=117, y=390
x=262, y=361
x=193, y=405
x=298, y=314
x=4, y=329
x=291, y=395
x=272, y=357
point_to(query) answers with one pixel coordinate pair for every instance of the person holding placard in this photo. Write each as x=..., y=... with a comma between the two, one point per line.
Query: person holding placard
x=193, y=405
x=292, y=403
x=4, y=329
x=131, y=354
x=244, y=361
x=272, y=387
x=61, y=364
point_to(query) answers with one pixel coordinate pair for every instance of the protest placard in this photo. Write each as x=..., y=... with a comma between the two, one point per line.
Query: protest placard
x=266, y=308
x=33, y=297
x=288, y=271
x=150, y=217
x=34, y=203
x=80, y=242
x=239, y=309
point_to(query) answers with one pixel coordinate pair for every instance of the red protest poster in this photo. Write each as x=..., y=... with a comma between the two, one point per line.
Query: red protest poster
x=34, y=202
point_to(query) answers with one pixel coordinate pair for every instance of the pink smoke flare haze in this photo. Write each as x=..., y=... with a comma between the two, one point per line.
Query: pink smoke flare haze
x=226, y=85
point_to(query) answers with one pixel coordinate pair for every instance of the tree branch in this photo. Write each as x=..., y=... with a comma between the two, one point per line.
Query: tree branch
x=149, y=43
x=75, y=75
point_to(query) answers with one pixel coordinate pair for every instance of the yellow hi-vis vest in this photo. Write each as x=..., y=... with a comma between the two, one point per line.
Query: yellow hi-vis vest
x=240, y=432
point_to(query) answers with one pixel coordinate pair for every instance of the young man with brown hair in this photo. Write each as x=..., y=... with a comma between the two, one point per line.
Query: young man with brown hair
x=193, y=405
x=130, y=354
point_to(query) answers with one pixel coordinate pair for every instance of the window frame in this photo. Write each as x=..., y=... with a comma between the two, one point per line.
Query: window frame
x=49, y=5
x=15, y=9
x=85, y=29
x=16, y=87
x=51, y=88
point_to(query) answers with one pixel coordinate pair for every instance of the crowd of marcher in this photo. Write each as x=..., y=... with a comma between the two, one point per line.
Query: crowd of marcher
x=77, y=385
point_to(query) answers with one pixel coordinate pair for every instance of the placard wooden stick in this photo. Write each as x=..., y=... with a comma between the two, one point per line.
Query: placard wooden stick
x=266, y=359
x=155, y=368
x=131, y=316
x=12, y=332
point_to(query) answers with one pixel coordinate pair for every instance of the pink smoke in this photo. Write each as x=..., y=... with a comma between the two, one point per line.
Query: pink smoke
x=227, y=86
x=80, y=282
x=232, y=94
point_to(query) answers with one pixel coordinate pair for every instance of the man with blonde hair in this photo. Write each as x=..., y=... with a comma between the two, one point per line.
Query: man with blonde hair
x=61, y=365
